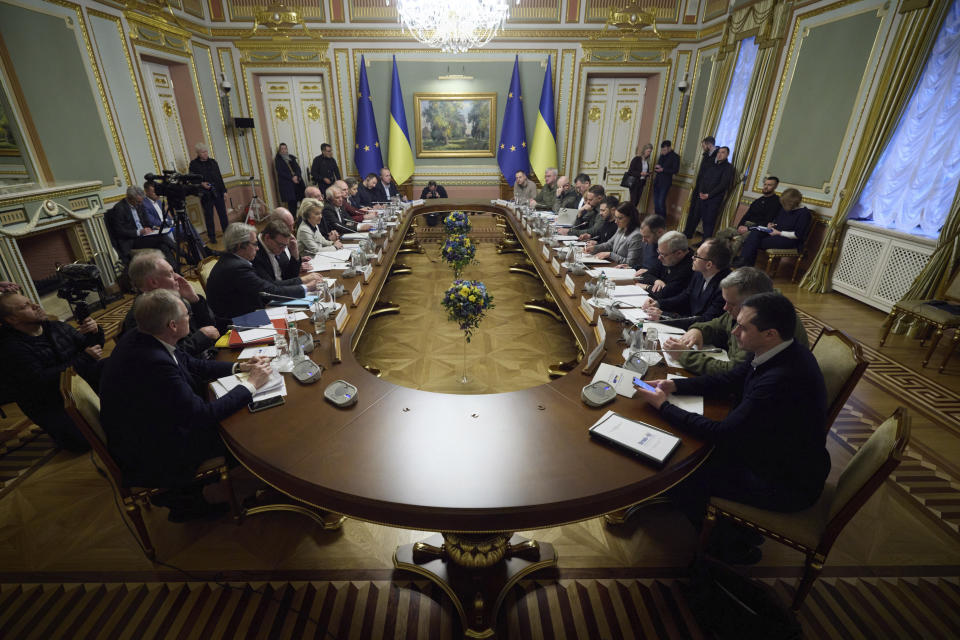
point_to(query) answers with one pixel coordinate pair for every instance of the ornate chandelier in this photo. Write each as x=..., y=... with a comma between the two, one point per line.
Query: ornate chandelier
x=453, y=26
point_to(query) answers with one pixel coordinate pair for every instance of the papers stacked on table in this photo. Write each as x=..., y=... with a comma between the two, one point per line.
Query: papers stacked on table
x=359, y=235
x=635, y=436
x=693, y=404
x=633, y=291
x=253, y=352
x=612, y=273
x=588, y=259
x=275, y=386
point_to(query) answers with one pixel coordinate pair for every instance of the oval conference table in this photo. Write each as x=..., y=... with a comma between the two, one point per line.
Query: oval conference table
x=474, y=468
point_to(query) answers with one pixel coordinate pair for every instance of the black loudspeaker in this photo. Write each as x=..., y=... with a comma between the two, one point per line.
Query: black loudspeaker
x=243, y=123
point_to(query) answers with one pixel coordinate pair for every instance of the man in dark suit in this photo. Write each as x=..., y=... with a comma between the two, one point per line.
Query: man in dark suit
x=128, y=224
x=149, y=271
x=387, y=188
x=367, y=192
x=324, y=169
x=674, y=270
x=702, y=300
x=234, y=286
x=667, y=165
x=708, y=145
x=273, y=261
x=335, y=217
x=154, y=408
x=770, y=449
x=714, y=184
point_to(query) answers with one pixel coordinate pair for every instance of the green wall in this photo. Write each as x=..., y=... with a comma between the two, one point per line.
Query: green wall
x=421, y=77
x=691, y=144
x=51, y=69
x=830, y=69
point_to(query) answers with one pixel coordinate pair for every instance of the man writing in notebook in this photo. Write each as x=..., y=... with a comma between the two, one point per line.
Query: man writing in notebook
x=771, y=448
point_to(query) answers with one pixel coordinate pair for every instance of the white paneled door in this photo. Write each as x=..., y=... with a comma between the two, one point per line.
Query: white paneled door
x=166, y=115
x=611, y=126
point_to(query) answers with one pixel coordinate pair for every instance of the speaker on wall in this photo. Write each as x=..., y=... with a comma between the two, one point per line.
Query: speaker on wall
x=243, y=123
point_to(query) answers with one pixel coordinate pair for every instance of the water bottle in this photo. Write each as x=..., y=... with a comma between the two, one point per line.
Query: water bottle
x=283, y=361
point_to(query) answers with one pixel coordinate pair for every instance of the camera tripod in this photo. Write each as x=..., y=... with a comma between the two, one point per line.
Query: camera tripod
x=188, y=249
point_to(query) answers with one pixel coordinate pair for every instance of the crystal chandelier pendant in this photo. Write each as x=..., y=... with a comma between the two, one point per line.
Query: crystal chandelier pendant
x=453, y=27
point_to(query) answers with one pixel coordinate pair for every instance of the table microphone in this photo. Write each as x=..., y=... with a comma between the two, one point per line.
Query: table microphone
x=240, y=327
x=710, y=350
x=264, y=295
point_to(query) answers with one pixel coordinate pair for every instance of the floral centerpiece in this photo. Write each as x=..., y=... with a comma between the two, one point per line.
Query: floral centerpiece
x=456, y=223
x=466, y=302
x=458, y=251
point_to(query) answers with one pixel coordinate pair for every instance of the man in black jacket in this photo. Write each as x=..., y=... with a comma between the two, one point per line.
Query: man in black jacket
x=128, y=224
x=274, y=261
x=714, y=183
x=367, y=192
x=149, y=271
x=709, y=156
x=770, y=449
x=702, y=300
x=675, y=267
x=324, y=170
x=34, y=352
x=667, y=165
x=335, y=218
x=213, y=190
x=234, y=286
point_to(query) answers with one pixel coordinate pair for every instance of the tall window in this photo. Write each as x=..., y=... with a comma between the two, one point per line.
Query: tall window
x=913, y=185
x=726, y=134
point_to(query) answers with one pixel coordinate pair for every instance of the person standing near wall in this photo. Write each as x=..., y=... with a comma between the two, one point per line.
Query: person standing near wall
x=213, y=190
x=289, y=177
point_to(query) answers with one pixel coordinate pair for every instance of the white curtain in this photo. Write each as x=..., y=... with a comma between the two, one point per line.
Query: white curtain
x=736, y=100
x=913, y=185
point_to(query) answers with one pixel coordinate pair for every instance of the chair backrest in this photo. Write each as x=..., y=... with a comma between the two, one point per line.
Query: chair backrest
x=204, y=268
x=867, y=470
x=842, y=363
x=82, y=404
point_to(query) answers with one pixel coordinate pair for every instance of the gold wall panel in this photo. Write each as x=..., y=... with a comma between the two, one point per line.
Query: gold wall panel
x=535, y=11
x=372, y=11
x=665, y=11
x=244, y=10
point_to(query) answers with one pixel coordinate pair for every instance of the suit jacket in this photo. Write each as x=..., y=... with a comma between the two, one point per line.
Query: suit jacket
x=210, y=171
x=195, y=342
x=776, y=430
x=623, y=248
x=365, y=197
x=234, y=287
x=676, y=277
x=384, y=192
x=324, y=167
x=285, y=173
x=123, y=230
x=289, y=268
x=154, y=411
x=426, y=194
x=715, y=179
x=704, y=303
x=336, y=220
x=569, y=200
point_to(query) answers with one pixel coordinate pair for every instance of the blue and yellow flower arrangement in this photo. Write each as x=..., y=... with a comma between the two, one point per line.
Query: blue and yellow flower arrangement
x=466, y=302
x=457, y=223
x=458, y=251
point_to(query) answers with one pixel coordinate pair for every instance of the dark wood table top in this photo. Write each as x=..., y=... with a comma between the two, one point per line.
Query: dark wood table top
x=442, y=462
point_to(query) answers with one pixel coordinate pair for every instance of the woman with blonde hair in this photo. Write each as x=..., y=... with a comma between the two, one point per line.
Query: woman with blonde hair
x=788, y=230
x=639, y=170
x=310, y=238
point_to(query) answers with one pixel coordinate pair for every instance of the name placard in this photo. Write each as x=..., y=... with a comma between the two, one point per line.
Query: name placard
x=601, y=331
x=555, y=265
x=367, y=272
x=569, y=286
x=546, y=252
x=356, y=294
x=335, y=355
x=379, y=256
x=588, y=310
x=341, y=320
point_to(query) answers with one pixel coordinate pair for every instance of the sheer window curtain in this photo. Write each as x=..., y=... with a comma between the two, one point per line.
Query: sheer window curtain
x=736, y=100
x=914, y=183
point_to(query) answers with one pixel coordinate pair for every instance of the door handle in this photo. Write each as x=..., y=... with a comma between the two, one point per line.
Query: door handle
x=604, y=175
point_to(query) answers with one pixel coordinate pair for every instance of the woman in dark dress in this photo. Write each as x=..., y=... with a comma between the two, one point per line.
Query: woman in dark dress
x=289, y=177
x=640, y=169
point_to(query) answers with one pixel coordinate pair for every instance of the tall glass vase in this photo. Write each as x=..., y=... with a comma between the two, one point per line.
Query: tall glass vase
x=463, y=378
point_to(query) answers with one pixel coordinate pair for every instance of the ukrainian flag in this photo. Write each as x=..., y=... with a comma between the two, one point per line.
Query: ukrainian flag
x=399, y=152
x=543, y=151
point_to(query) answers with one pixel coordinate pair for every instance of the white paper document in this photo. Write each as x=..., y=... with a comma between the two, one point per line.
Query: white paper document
x=617, y=377
x=693, y=404
x=276, y=312
x=565, y=238
x=587, y=259
x=636, y=436
x=630, y=291
x=634, y=315
x=268, y=351
x=664, y=328
x=360, y=235
x=275, y=386
x=612, y=273
x=565, y=217
x=252, y=335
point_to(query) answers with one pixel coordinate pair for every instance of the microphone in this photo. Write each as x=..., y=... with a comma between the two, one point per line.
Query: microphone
x=710, y=350
x=269, y=296
x=240, y=327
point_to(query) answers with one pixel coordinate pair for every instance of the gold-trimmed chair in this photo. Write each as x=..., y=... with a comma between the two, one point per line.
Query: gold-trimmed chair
x=83, y=406
x=798, y=253
x=814, y=530
x=204, y=268
x=941, y=319
x=842, y=363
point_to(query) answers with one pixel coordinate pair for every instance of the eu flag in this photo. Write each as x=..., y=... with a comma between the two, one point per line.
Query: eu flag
x=366, y=150
x=512, y=152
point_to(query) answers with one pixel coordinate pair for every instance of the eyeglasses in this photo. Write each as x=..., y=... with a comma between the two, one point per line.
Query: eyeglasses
x=696, y=257
x=619, y=217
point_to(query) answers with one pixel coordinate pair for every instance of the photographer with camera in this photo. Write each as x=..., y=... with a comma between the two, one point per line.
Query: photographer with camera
x=34, y=351
x=213, y=190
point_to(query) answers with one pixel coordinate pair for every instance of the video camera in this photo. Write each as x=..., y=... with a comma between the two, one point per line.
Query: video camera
x=175, y=186
x=79, y=281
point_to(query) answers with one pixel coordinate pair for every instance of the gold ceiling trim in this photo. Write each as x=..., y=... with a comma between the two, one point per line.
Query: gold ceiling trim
x=629, y=22
x=280, y=22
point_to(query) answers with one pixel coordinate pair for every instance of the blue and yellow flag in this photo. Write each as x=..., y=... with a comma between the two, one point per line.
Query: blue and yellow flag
x=512, y=151
x=399, y=151
x=366, y=149
x=543, y=151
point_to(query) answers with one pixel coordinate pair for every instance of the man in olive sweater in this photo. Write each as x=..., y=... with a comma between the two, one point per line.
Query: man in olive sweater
x=736, y=287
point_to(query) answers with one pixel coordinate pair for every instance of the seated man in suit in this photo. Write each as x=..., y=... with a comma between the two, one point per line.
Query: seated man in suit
x=770, y=449
x=433, y=191
x=674, y=267
x=274, y=261
x=735, y=288
x=127, y=223
x=787, y=231
x=336, y=219
x=149, y=271
x=386, y=188
x=652, y=229
x=605, y=225
x=367, y=192
x=701, y=300
x=154, y=408
x=33, y=353
x=234, y=286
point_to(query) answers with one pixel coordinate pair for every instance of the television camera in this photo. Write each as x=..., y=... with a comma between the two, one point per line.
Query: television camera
x=79, y=280
x=175, y=187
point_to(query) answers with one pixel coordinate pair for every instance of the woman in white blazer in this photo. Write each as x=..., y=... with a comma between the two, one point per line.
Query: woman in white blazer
x=309, y=238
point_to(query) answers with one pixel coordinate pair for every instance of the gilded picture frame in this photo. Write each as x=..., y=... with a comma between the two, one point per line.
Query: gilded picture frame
x=455, y=125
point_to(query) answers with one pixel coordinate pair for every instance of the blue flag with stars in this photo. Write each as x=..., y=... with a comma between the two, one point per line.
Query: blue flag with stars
x=366, y=150
x=512, y=150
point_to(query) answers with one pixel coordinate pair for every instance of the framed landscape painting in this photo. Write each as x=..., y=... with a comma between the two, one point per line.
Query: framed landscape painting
x=455, y=125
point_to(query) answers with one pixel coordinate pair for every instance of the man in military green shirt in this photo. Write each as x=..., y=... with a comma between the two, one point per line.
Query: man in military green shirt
x=735, y=288
x=548, y=194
